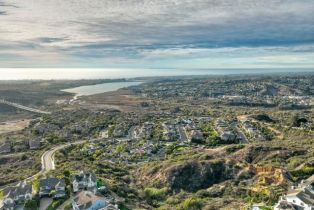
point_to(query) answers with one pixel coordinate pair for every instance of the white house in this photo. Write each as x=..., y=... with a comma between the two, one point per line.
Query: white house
x=48, y=185
x=17, y=195
x=84, y=181
x=300, y=197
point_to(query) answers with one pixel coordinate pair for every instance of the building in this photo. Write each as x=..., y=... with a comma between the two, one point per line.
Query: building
x=228, y=136
x=299, y=197
x=34, y=143
x=87, y=200
x=5, y=147
x=197, y=136
x=52, y=187
x=253, y=131
x=84, y=181
x=16, y=195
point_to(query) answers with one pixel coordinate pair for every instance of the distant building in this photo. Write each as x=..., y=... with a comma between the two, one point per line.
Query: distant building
x=20, y=146
x=34, y=143
x=221, y=123
x=17, y=195
x=51, y=184
x=227, y=136
x=84, y=181
x=300, y=197
x=197, y=136
x=5, y=147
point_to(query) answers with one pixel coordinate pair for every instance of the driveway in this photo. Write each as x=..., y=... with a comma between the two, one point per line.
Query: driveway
x=44, y=203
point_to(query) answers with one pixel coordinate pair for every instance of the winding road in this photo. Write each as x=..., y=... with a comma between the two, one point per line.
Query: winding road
x=47, y=160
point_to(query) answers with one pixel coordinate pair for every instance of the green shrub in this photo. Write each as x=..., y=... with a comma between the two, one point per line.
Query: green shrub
x=172, y=201
x=35, y=185
x=304, y=172
x=294, y=162
x=155, y=193
x=191, y=204
x=31, y=205
x=55, y=204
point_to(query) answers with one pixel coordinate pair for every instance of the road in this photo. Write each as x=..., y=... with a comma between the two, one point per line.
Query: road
x=47, y=160
x=19, y=106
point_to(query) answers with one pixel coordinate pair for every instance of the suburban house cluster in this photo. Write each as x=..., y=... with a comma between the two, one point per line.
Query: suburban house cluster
x=16, y=195
x=19, y=146
x=85, y=194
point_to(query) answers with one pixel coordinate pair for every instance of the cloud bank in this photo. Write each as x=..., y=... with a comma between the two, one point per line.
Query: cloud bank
x=157, y=34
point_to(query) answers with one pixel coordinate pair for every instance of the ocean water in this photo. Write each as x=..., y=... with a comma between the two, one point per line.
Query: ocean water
x=66, y=73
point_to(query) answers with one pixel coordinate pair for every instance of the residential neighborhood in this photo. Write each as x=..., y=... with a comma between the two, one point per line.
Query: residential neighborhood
x=179, y=143
x=85, y=194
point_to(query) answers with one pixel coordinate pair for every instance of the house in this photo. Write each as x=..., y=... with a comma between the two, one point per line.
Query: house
x=197, y=136
x=5, y=147
x=253, y=131
x=284, y=205
x=87, y=200
x=118, y=132
x=16, y=195
x=227, y=136
x=300, y=197
x=146, y=130
x=221, y=123
x=84, y=181
x=20, y=146
x=110, y=207
x=53, y=186
x=258, y=206
x=34, y=143
x=89, y=149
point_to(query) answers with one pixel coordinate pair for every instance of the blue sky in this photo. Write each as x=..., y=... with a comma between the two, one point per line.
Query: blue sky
x=179, y=34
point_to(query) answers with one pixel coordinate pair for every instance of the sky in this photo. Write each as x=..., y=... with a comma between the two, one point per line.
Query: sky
x=156, y=34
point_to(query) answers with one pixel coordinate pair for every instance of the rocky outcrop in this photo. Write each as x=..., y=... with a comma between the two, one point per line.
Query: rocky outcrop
x=187, y=175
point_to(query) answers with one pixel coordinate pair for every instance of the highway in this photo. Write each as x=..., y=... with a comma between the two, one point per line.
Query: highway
x=19, y=106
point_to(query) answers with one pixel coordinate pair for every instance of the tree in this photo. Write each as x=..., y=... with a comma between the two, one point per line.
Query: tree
x=66, y=173
x=52, y=193
x=35, y=185
x=31, y=205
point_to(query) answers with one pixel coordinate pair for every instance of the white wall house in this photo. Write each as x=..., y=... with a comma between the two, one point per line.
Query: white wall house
x=300, y=197
x=84, y=181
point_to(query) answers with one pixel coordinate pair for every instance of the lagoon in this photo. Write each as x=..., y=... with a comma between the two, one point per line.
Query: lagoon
x=100, y=88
